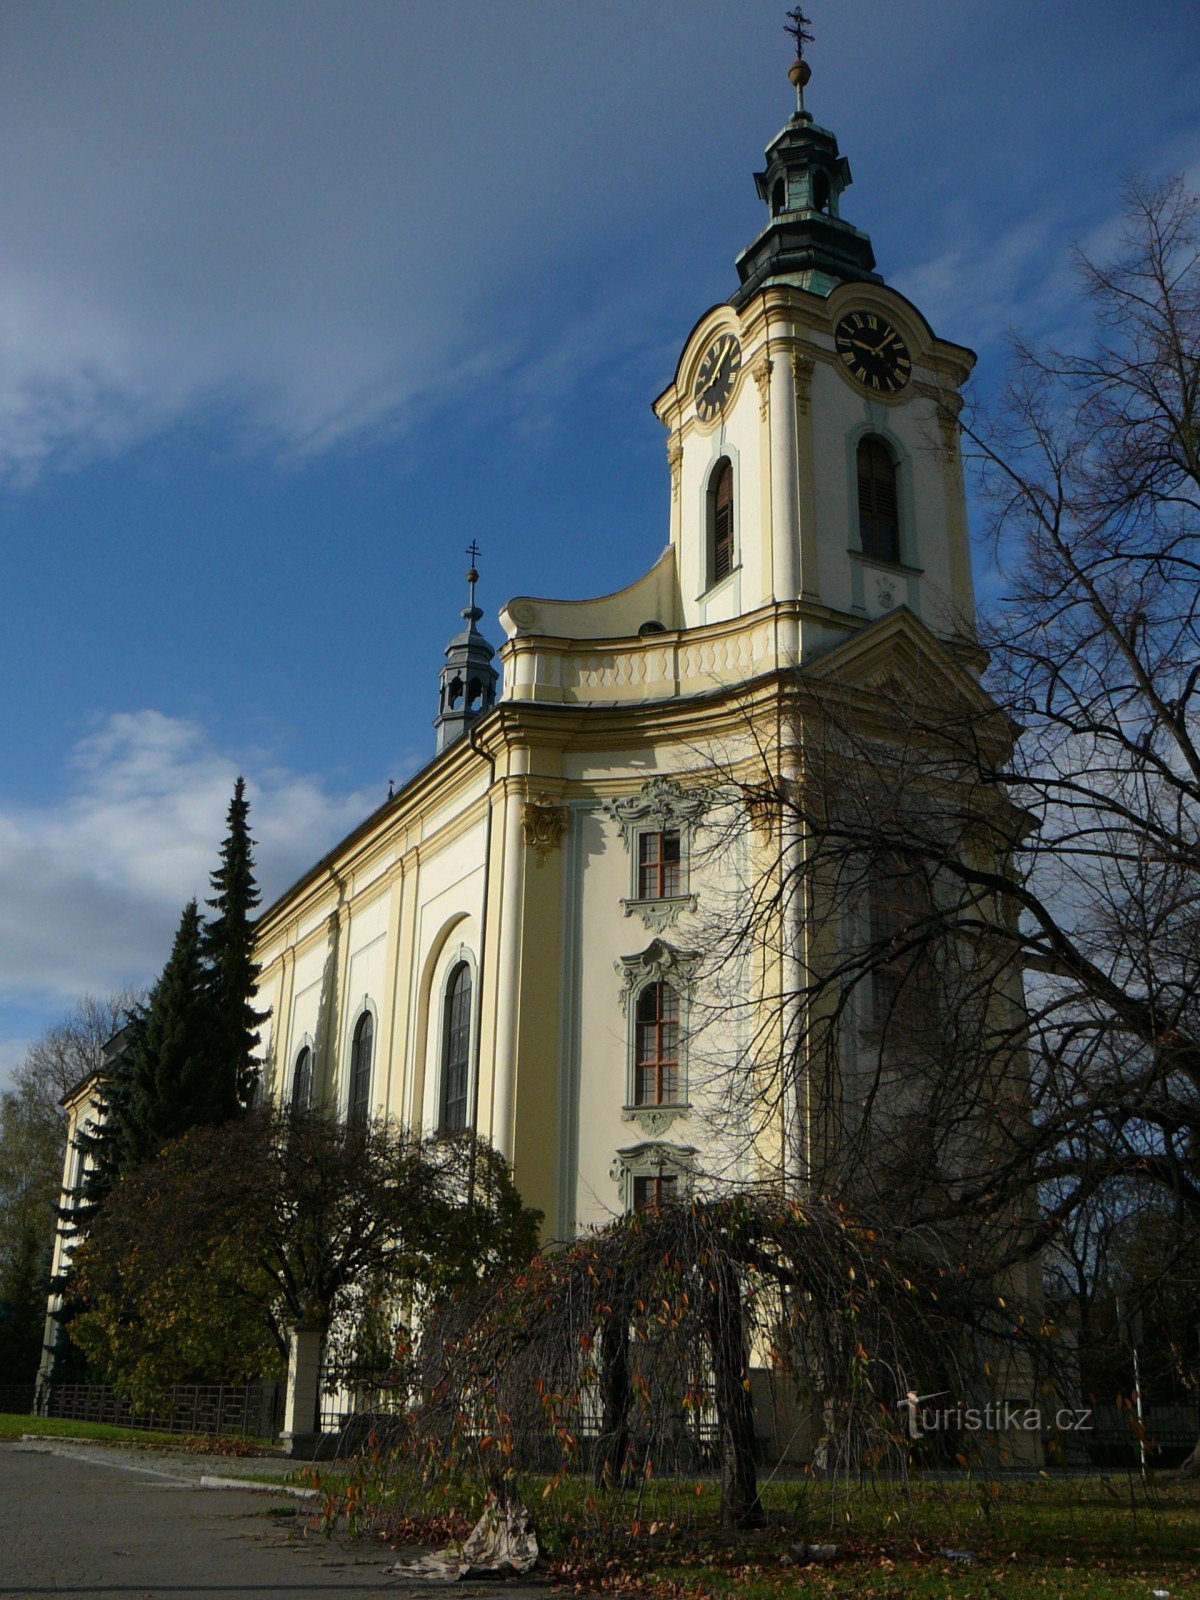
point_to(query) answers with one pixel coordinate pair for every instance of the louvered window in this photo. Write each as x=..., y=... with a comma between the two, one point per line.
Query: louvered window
x=900, y=912
x=722, y=522
x=878, y=502
x=456, y=1050
x=656, y=1067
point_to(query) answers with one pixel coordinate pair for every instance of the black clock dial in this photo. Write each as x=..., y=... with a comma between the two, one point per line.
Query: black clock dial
x=873, y=352
x=715, y=377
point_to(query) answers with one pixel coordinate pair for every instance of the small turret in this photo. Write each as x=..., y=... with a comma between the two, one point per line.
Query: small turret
x=469, y=680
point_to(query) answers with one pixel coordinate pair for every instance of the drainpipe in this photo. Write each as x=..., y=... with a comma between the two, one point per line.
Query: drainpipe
x=479, y=750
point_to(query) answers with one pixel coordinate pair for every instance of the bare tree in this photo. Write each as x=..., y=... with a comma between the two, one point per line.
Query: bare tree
x=985, y=862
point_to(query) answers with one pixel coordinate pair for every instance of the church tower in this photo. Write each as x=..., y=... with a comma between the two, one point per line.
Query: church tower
x=467, y=682
x=815, y=470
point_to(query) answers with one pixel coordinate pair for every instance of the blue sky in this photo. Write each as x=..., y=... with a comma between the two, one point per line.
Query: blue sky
x=298, y=299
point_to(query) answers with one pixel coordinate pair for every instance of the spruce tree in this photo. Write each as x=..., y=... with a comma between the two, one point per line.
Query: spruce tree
x=171, y=1084
x=232, y=971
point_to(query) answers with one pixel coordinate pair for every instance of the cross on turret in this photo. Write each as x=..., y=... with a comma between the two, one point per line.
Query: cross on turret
x=797, y=27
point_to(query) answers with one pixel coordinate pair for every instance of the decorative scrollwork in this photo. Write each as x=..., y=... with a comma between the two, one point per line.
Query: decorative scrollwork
x=543, y=825
x=662, y=803
x=659, y=962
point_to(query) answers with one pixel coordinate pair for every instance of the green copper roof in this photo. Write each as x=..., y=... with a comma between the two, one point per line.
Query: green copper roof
x=805, y=242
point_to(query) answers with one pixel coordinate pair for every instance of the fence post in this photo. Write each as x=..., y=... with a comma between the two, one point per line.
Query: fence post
x=301, y=1435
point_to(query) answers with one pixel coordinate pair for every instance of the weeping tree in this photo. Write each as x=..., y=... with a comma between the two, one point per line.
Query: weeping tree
x=631, y=1352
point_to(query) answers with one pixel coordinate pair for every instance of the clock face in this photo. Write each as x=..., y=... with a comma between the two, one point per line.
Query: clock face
x=715, y=376
x=873, y=352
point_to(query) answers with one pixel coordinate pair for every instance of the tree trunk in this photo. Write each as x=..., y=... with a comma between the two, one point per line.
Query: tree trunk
x=616, y=1393
x=1190, y=1468
x=740, y=1505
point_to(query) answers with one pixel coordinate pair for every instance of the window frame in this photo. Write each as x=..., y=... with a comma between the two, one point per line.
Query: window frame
x=462, y=966
x=358, y=1105
x=307, y=1055
x=661, y=806
x=663, y=1065
x=653, y=1160
x=709, y=578
x=658, y=963
x=869, y=518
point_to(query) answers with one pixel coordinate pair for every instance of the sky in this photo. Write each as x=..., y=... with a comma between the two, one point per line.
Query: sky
x=298, y=299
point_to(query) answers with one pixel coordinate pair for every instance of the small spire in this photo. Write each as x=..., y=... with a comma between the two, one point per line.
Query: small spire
x=471, y=611
x=799, y=72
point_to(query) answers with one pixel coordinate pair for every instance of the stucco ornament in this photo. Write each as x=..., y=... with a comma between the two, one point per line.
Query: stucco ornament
x=524, y=613
x=542, y=826
x=675, y=462
x=659, y=962
x=653, y=1160
x=661, y=803
x=803, y=367
x=761, y=372
x=655, y=1120
x=659, y=914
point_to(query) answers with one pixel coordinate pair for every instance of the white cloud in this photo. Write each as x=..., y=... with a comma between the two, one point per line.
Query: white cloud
x=91, y=885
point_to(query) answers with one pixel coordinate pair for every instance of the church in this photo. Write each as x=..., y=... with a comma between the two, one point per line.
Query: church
x=512, y=941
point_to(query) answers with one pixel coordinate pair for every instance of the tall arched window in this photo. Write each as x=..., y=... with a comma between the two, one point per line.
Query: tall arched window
x=302, y=1078
x=720, y=522
x=456, y=1050
x=878, y=501
x=656, y=1047
x=360, y=1068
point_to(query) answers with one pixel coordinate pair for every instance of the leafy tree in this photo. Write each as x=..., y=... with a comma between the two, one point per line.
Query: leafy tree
x=201, y=1260
x=229, y=953
x=32, y=1138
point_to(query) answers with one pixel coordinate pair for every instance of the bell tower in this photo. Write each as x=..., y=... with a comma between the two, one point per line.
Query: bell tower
x=813, y=445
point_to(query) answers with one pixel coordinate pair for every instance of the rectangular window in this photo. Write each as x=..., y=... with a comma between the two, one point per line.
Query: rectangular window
x=652, y=1193
x=660, y=868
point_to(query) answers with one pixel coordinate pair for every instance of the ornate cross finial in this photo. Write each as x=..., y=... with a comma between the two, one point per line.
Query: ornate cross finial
x=797, y=26
x=473, y=613
x=799, y=71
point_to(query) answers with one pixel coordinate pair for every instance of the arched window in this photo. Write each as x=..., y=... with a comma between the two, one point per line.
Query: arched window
x=720, y=522
x=820, y=192
x=302, y=1081
x=656, y=1047
x=878, y=501
x=778, y=197
x=456, y=1050
x=360, y=1068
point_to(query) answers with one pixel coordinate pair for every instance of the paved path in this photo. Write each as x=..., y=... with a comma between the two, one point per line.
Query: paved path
x=76, y=1520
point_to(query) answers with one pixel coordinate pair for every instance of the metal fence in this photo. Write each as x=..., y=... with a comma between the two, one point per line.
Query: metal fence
x=254, y=1410
x=17, y=1398
x=349, y=1392
x=1113, y=1439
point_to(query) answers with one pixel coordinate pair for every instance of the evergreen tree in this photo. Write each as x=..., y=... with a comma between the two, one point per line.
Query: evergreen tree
x=171, y=1084
x=228, y=949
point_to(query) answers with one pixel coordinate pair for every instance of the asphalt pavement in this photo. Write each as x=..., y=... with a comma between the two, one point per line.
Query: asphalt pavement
x=85, y=1520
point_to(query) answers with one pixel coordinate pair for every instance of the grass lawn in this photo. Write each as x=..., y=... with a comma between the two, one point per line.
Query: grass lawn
x=1078, y=1539
x=14, y=1424
x=1045, y=1539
